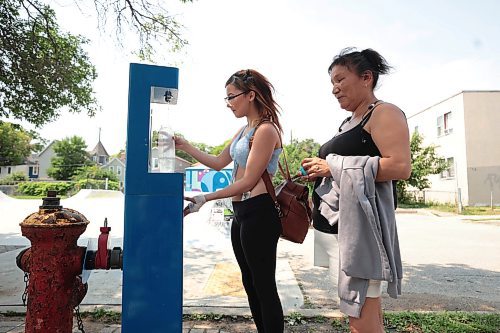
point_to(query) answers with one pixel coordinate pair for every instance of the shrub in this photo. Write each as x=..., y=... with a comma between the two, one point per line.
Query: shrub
x=40, y=189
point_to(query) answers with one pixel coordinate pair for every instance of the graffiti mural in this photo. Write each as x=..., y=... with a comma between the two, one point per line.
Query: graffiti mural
x=207, y=180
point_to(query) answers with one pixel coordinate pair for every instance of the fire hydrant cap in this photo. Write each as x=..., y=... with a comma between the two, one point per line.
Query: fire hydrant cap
x=51, y=214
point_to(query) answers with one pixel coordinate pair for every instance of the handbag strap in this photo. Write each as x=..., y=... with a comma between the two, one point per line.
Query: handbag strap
x=265, y=175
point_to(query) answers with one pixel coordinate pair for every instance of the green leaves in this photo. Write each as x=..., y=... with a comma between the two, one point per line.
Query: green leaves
x=425, y=161
x=14, y=144
x=95, y=172
x=295, y=152
x=71, y=156
x=41, y=68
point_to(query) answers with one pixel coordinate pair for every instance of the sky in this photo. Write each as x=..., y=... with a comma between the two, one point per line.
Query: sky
x=436, y=49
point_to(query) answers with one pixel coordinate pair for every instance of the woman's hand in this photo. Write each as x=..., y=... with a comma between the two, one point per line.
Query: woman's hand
x=195, y=204
x=181, y=143
x=315, y=167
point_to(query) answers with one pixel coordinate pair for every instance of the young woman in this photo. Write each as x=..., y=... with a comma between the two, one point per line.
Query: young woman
x=256, y=227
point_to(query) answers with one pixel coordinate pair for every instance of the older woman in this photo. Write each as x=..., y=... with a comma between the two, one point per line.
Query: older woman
x=378, y=130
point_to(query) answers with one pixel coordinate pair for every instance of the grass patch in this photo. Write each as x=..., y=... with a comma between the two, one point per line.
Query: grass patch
x=13, y=314
x=468, y=210
x=400, y=322
x=102, y=315
x=450, y=322
x=204, y=317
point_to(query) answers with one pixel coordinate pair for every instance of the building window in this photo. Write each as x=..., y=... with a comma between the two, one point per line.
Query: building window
x=444, y=124
x=111, y=168
x=35, y=170
x=102, y=160
x=9, y=170
x=119, y=170
x=450, y=172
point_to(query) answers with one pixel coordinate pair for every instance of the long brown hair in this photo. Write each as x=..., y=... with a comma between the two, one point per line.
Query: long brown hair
x=251, y=80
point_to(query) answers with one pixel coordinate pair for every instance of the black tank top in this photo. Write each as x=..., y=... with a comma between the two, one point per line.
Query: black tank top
x=353, y=142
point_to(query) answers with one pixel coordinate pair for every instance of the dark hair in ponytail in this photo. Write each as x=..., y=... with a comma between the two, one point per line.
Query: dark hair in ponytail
x=250, y=79
x=360, y=62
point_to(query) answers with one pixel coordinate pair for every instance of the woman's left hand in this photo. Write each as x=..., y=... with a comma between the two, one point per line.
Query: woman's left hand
x=195, y=204
x=315, y=167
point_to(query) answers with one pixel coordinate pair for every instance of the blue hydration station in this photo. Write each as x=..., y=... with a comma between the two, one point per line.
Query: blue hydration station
x=152, y=254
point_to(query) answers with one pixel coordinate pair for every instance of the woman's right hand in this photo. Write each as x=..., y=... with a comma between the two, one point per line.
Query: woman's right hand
x=181, y=143
x=315, y=167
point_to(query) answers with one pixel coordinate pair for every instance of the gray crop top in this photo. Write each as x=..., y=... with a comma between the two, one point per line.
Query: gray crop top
x=239, y=151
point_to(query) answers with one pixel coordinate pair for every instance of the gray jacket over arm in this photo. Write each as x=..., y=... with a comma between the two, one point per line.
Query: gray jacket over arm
x=368, y=238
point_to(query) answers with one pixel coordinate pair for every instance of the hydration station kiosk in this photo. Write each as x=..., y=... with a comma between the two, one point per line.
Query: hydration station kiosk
x=152, y=254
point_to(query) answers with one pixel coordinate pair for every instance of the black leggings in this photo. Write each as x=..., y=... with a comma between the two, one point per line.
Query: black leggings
x=254, y=234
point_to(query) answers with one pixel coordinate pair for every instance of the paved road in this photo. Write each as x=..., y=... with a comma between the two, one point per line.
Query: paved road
x=449, y=264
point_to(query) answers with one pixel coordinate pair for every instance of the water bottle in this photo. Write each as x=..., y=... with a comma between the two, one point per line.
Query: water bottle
x=166, y=150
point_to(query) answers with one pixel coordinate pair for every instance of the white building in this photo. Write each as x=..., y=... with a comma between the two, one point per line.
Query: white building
x=465, y=128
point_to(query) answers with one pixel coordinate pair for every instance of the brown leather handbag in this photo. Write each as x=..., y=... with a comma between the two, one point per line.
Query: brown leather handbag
x=291, y=200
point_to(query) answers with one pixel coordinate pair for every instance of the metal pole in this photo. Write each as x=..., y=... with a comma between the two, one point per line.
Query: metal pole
x=459, y=200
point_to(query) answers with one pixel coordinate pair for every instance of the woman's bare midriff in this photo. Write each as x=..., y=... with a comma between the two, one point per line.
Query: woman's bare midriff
x=260, y=188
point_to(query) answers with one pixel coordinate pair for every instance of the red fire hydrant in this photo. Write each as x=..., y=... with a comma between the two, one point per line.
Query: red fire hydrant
x=54, y=263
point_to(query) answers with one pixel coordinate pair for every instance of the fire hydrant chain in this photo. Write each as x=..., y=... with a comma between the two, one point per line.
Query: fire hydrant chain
x=26, y=282
x=79, y=321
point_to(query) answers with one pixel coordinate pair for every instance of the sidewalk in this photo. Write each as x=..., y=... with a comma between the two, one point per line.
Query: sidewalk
x=449, y=265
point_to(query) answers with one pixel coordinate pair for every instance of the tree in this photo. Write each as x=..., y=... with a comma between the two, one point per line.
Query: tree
x=41, y=68
x=44, y=70
x=70, y=157
x=149, y=20
x=14, y=144
x=218, y=149
x=94, y=172
x=425, y=161
x=295, y=152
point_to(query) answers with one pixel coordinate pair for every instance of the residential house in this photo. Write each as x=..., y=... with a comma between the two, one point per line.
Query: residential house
x=464, y=127
x=99, y=154
x=44, y=160
x=34, y=167
x=117, y=166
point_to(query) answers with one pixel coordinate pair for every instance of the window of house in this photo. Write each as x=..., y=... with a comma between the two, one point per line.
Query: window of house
x=9, y=170
x=155, y=163
x=111, y=168
x=119, y=170
x=450, y=172
x=35, y=170
x=444, y=124
x=94, y=158
x=0, y=170
x=102, y=159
